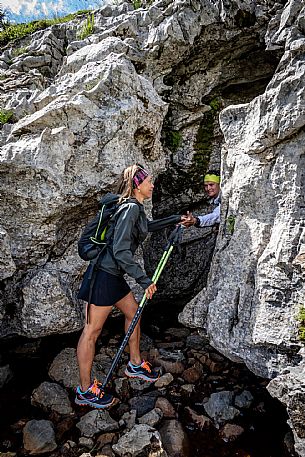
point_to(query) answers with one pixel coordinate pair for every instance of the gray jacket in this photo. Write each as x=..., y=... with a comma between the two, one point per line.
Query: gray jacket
x=128, y=228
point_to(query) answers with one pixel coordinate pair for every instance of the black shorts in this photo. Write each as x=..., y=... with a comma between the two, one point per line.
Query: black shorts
x=107, y=288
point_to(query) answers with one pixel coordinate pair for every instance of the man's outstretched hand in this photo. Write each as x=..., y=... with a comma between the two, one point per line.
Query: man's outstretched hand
x=188, y=220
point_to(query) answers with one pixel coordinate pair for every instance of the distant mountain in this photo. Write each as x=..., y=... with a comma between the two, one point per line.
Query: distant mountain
x=29, y=10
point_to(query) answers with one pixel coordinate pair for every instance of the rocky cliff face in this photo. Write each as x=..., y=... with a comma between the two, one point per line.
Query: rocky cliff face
x=255, y=289
x=144, y=87
x=180, y=86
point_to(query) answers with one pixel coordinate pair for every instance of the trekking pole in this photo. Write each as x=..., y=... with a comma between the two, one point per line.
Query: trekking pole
x=173, y=240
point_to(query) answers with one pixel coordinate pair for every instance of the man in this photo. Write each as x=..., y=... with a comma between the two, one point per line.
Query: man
x=212, y=188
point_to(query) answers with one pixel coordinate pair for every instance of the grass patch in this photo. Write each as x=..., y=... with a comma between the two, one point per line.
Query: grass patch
x=230, y=223
x=137, y=4
x=19, y=51
x=90, y=85
x=173, y=140
x=301, y=320
x=5, y=116
x=88, y=27
x=17, y=31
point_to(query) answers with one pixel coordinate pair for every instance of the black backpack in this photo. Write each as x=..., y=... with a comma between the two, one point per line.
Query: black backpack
x=92, y=240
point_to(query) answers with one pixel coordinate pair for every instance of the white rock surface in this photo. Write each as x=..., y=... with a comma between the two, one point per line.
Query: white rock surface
x=141, y=438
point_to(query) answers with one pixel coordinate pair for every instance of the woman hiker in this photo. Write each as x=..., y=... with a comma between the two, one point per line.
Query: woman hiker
x=128, y=227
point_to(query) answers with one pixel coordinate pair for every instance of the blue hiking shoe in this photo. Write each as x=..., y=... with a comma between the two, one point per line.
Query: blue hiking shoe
x=142, y=371
x=94, y=397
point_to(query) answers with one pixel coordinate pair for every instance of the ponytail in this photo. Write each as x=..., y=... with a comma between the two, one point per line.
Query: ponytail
x=125, y=185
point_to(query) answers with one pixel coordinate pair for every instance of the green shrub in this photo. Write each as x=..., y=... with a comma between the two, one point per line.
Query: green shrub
x=137, y=4
x=18, y=31
x=173, y=140
x=19, y=51
x=87, y=28
x=301, y=319
x=5, y=116
x=215, y=105
x=230, y=223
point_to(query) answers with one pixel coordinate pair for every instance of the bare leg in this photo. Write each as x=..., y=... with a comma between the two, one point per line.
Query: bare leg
x=86, y=344
x=129, y=306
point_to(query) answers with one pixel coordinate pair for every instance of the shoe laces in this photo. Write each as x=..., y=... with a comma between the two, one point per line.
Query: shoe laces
x=95, y=389
x=146, y=366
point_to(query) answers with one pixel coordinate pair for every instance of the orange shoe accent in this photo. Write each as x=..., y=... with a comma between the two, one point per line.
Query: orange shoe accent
x=96, y=390
x=146, y=366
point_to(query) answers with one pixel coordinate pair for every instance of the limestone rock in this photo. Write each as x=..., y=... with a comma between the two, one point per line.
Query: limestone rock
x=289, y=388
x=7, y=264
x=64, y=369
x=164, y=380
x=6, y=375
x=244, y=400
x=39, y=437
x=142, y=438
x=152, y=418
x=86, y=442
x=105, y=438
x=73, y=111
x=166, y=407
x=202, y=422
x=122, y=388
x=95, y=422
x=187, y=389
x=231, y=432
x=144, y=403
x=219, y=407
x=171, y=361
x=174, y=439
x=129, y=418
x=178, y=333
x=191, y=375
x=51, y=396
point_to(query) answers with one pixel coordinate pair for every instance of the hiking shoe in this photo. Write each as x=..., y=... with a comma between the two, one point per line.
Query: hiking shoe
x=94, y=397
x=142, y=371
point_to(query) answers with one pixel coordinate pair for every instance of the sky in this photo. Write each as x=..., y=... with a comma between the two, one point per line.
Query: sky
x=28, y=10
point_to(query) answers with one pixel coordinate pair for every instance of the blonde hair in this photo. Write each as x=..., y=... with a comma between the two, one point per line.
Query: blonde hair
x=125, y=186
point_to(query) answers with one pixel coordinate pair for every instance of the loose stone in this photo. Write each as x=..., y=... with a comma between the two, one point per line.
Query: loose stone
x=39, y=436
x=52, y=397
x=151, y=418
x=96, y=421
x=231, y=432
x=164, y=380
x=174, y=439
x=141, y=437
x=166, y=407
